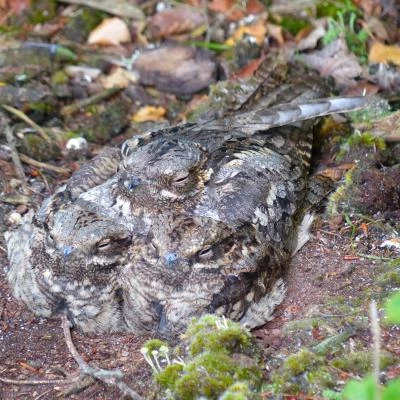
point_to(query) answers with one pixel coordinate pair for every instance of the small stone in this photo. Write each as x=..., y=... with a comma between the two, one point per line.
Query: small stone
x=21, y=209
x=14, y=183
x=14, y=218
x=78, y=143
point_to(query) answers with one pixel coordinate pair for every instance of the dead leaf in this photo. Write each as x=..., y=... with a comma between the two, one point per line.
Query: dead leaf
x=336, y=172
x=249, y=69
x=376, y=28
x=233, y=10
x=311, y=40
x=257, y=30
x=387, y=127
x=119, y=78
x=149, y=113
x=184, y=70
x=335, y=60
x=370, y=7
x=112, y=31
x=175, y=21
x=276, y=32
x=381, y=53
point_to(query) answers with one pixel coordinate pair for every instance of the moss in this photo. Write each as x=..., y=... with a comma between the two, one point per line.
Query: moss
x=214, y=363
x=292, y=24
x=361, y=362
x=237, y=391
x=38, y=148
x=210, y=374
x=82, y=23
x=154, y=344
x=390, y=278
x=59, y=78
x=42, y=11
x=167, y=377
x=111, y=118
x=40, y=107
x=205, y=336
x=300, y=362
x=303, y=372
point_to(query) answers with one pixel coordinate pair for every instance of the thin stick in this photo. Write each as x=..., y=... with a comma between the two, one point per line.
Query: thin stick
x=109, y=377
x=38, y=382
x=72, y=108
x=5, y=127
x=376, y=338
x=39, y=164
x=21, y=115
x=43, y=394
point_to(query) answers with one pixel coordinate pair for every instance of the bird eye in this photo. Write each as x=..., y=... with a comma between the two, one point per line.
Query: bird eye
x=103, y=244
x=205, y=253
x=181, y=178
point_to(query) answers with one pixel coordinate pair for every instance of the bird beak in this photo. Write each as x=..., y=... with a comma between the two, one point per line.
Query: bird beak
x=66, y=250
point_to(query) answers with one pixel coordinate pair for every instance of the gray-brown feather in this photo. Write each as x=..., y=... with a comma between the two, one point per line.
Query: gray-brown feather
x=197, y=218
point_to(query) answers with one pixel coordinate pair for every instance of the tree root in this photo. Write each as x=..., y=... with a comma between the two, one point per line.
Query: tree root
x=109, y=377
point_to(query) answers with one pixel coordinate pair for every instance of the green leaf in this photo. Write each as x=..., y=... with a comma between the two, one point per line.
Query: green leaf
x=392, y=309
x=363, y=390
x=392, y=391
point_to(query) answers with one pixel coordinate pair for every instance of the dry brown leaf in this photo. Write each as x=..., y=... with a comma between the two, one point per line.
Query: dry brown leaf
x=184, y=70
x=336, y=172
x=257, y=30
x=376, y=28
x=112, y=31
x=310, y=41
x=335, y=60
x=388, y=127
x=119, y=78
x=175, y=21
x=149, y=113
x=232, y=9
x=381, y=53
x=370, y=7
x=276, y=32
x=249, y=69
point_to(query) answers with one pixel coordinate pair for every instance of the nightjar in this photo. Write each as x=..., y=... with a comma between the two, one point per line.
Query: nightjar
x=193, y=219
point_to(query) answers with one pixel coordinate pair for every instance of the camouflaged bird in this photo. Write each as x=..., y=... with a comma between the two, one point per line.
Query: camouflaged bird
x=193, y=219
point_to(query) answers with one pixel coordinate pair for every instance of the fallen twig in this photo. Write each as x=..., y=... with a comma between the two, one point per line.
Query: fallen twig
x=38, y=164
x=72, y=108
x=5, y=127
x=21, y=115
x=38, y=381
x=109, y=377
x=117, y=7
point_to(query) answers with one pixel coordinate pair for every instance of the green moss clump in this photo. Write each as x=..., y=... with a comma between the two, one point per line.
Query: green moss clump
x=154, y=344
x=360, y=362
x=292, y=24
x=110, y=119
x=82, y=23
x=169, y=376
x=304, y=372
x=300, y=362
x=238, y=391
x=41, y=11
x=204, y=337
x=215, y=364
x=59, y=78
x=38, y=148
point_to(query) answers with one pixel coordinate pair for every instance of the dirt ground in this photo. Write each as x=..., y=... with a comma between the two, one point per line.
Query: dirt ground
x=326, y=268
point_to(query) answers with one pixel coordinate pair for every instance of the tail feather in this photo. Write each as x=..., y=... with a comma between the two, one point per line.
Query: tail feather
x=289, y=113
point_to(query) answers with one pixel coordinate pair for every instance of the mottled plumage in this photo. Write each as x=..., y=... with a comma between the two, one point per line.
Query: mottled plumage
x=198, y=218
